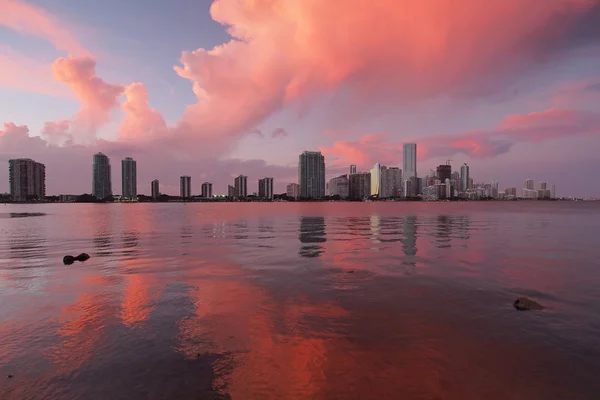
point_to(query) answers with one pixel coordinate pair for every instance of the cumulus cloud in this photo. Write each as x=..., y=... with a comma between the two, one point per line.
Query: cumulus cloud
x=283, y=51
x=97, y=97
x=57, y=133
x=35, y=21
x=141, y=121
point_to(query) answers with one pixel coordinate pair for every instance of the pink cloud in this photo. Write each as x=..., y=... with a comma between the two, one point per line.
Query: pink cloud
x=141, y=121
x=287, y=51
x=538, y=126
x=35, y=21
x=97, y=97
x=57, y=132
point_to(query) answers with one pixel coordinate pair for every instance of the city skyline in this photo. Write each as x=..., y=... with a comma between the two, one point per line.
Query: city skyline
x=221, y=93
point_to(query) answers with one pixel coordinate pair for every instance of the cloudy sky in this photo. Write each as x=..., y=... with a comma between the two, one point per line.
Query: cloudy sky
x=214, y=89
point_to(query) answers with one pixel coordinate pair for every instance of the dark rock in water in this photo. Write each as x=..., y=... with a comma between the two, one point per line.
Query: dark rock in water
x=350, y=272
x=68, y=260
x=523, y=304
x=9, y=376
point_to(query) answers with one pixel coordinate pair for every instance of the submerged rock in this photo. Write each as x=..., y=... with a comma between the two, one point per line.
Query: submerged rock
x=523, y=304
x=70, y=259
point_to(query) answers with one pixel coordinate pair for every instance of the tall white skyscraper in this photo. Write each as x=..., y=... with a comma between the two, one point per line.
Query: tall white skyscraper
x=464, y=177
x=101, y=185
x=27, y=179
x=311, y=174
x=129, y=178
x=409, y=169
x=265, y=188
x=185, y=187
x=376, y=180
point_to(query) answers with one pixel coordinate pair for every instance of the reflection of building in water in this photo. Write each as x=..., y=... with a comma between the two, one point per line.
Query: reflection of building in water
x=375, y=228
x=130, y=242
x=312, y=233
x=102, y=242
x=444, y=230
x=409, y=244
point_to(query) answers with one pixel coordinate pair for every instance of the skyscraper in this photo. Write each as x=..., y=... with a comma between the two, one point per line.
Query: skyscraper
x=376, y=180
x=293, y=190
x=129, y=178
x=553, y=191
x=339, y=186
x=185, y=187
x=241, y=186
x=27, y=179
x=230, y=191
x=444, y=172
x=359, y=185
x=409, y=168
x=265, y=188
x=155, y=189
x=543, y=185
x=207, y=190
x=353, y=169
x=529, y=184
x=391, y=182
x=311, y=174
x=101, y=186
x=464, y=177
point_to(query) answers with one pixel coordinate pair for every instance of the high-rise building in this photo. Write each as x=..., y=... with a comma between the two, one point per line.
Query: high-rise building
x=293, y=190
x=353, y=169
x=444, y=172
x=391, y=182
x=101, y=186
x=185, y=187
x=339, y=186
x=311, y=174
x=240, y=184
x=465, y=179
x=553, y=191
x=27, y=179
x=409, y=167
x=207, y=190
x=529, y=184
x=376, y=180
x=129, y=178
x=155, y=189
x=230, y=191
x=265, y=188
x=543, y=185
x=494, y=187
x=359, y=185
x=511, y=192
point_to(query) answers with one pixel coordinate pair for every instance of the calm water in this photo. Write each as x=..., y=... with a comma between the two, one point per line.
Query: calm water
x=256, y=301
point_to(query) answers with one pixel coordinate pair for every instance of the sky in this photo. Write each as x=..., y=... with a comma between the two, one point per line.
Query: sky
x=215, y=89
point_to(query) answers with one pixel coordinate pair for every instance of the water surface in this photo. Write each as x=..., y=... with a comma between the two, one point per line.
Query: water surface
x=300, y=301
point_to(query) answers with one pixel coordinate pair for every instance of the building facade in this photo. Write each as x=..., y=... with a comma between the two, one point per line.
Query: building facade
x=376, y=180
x=529, y=184
x=311, y=174
x=129, y=178
x=185, y=187
x=339, y=186
x=230, y=191
x=102, y=184
x=265, y=188
x=353, y=169
x=155, y=188
x=465, y=178
x=391, y=182
x=240, y=184
x=27, y=179
x=207, y=190
x=444, y=172
x=359, y=185
x=293, y=190
x=409, y=167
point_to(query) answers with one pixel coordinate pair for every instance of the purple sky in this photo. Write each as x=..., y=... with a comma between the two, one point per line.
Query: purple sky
x=217, y=89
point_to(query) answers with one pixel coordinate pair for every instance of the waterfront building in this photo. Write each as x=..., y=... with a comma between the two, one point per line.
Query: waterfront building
x=101, y=180
x=185, y=187
x=207, y=190
x=311, y=174
x=409, y=169
x=240, y=184
x=265, y=188
x=293, y=190
x=359, y=185
x=339, y=186
x=155, y=188
x=129, y=179
x=27, y=179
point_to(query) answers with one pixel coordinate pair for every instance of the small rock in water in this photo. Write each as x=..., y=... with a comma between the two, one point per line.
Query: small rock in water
x=350, y=272
x=68, y=260
x=9, y=376
x=523, y=304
